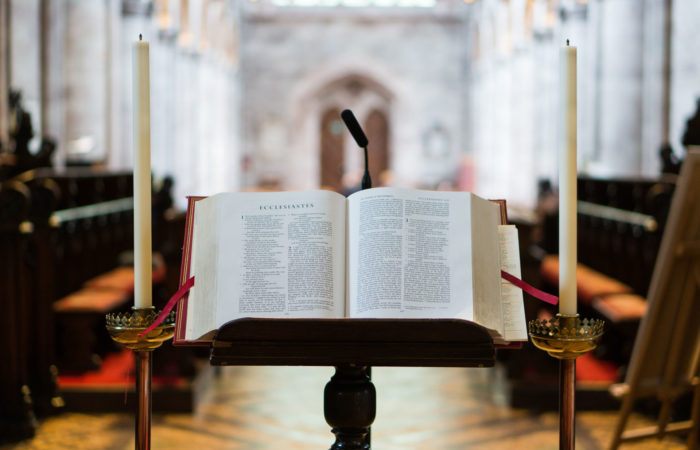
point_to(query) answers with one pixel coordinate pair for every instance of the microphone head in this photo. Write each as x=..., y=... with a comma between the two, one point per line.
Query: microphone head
x=354, y=128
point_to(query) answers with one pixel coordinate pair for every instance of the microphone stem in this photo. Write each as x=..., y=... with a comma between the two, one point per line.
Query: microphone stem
x=366, y=180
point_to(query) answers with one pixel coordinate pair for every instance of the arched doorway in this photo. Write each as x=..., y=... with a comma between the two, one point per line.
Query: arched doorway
x=332, y=150
x=363, y=86
x=377, y=130
x=342, y=170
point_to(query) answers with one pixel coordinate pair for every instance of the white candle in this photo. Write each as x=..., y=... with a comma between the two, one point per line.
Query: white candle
x=567, y=182
x=142, y=176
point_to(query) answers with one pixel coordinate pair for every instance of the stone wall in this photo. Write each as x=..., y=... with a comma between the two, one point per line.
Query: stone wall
x=238, y=88
x=79, y=88
x=622, y=90
x=294, y=62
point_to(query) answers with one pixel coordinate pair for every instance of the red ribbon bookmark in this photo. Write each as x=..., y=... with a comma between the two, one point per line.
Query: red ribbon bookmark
x=169, y=306
x=545, y=297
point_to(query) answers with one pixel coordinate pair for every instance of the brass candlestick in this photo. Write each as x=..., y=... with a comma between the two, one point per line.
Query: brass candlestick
x=566, y=337
x=125, y=328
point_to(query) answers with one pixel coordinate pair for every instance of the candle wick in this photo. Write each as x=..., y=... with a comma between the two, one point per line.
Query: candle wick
x=567, y=42
x=141, y=38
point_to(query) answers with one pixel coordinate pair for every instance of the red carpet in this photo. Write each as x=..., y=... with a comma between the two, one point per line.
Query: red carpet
x=590, y=369
x=117, y=369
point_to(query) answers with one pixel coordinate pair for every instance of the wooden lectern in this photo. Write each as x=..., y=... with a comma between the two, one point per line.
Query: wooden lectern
x=352, y=346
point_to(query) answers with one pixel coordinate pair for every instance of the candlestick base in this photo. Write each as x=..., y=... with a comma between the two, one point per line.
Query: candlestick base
x=566, y=336
x=125, y=328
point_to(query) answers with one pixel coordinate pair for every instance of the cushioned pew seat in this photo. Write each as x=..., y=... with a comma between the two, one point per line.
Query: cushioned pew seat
x=90, y=299
x=123, y=277
x=620, y=308
x=589, y=370
x=590, y=283
x=79, y=317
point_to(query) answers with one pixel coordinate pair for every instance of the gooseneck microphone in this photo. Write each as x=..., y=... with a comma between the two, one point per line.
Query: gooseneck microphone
x=359, y=136
x=355, y=128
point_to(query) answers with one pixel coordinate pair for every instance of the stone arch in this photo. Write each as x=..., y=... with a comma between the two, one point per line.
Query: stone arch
x=331, y=86
x=332, y=150
x=489, y=31
x=185, y=24
x=517, y=22
x=503, y=33
x=376, y=126
x=162, y=15
x=210, y=12
x=218, y=31
x=528, y=19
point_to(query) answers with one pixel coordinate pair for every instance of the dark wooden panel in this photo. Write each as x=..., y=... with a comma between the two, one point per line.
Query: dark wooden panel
x=373, y=342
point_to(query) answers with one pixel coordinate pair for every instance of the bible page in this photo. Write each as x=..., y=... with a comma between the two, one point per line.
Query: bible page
x=408, y=254
x=280, y=254
x=485, y=219
x=201, y=302
x=514, y=325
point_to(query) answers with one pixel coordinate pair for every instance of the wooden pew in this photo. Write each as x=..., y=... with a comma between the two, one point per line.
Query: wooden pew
x=17, y=419
x=620, y=224
x=91, y=226
x=89, y=247
x=58, y=232
x=44, y=196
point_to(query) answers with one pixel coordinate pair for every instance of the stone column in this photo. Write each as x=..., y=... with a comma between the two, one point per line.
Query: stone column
x=25, y=56
x=685, y=67
x=4, y=75
x=133, y=20
x=55, y=18
x=620, y=106
x=575, y=27
x=118, y=142
x=85, y=81
x=186, y=123
x=654, y=114
x=207, y=100
x=163, y=93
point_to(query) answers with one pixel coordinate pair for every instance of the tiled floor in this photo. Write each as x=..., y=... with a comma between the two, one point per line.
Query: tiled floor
x=282, y=408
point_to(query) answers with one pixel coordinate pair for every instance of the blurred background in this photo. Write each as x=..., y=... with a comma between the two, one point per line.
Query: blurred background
x=463, y=94
x=247, y=95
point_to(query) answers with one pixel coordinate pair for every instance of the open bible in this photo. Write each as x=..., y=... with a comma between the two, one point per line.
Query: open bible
x=381, y=253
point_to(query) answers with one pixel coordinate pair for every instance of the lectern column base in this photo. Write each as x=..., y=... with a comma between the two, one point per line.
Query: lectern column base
x=350, y=405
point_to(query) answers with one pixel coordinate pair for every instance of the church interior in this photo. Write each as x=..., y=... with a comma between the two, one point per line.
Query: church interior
x=246, y=95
